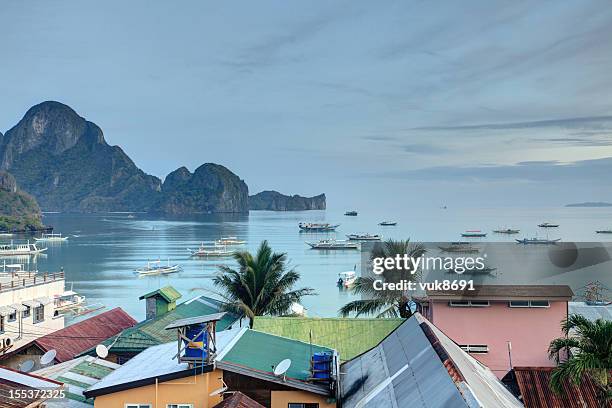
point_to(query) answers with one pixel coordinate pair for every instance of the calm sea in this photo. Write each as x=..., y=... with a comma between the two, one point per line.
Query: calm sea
x=103, y=250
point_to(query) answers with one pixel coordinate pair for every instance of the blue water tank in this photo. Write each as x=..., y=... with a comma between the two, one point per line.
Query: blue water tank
x=322, y=364
x=198, y=346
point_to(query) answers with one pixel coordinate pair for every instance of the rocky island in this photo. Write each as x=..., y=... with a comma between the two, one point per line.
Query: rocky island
x=275, y=201
x=18, y=210
x=65, y=163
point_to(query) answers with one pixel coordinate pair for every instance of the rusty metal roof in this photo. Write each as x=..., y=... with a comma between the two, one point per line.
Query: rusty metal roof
x=533, y=383
x=507, y=292
x=238, y=400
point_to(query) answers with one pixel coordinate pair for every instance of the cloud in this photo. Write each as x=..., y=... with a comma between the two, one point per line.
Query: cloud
x=422, y=148
x=580, y=122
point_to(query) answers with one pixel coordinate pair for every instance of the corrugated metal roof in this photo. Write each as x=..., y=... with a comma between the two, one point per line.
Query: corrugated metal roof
x=167, y=292
x=503, y=292
x=534, y=386
x=13, y=380
x=188, y=321
x=349, y=337
x=238, y=400
x=85, y=334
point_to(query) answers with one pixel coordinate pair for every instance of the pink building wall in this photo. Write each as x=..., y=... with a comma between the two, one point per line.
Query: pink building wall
x=530, y=330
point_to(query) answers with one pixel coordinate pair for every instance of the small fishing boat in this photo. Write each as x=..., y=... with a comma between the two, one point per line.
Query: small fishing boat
x=351, y=213
x=347, y=278
x=156, y=268
x=317, y=227
x=229, y=241
x=68, y=301
x=333, y=244
x=606, y=231
x=506, y=231
x=473, y=234
x=364, y=237
x=211, y=251
x=387, y=223
x=15, y=270
x=548, y=225
x=537, y=241
x=20, y=249
x=464, y=247
x=6, y=234
x=50, y=238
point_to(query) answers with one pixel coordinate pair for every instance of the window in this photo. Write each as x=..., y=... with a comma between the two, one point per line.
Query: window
x=303, y=405
x=39, y=314
x=137, y=405
x=468, y=303
x=26, y=312
x=1, y=324
x=529, y=303
x=179, y=406
x=475, y=348
x=12, y=317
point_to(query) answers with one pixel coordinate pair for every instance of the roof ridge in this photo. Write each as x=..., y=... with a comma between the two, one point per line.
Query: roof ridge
x=293, y=340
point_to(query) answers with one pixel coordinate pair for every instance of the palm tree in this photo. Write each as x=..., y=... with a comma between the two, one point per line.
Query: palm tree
x=588, y=347
x=261, y=285
x=386, y=303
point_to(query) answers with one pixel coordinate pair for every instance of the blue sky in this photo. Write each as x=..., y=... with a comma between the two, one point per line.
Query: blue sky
x=465, y=102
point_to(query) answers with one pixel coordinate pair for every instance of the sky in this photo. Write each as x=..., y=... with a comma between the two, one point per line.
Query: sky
x=399, y=103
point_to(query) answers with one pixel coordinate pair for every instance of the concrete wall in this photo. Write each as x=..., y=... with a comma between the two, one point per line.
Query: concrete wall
x=530, y=330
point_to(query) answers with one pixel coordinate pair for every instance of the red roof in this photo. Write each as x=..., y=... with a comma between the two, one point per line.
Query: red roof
x=238, y=400
x=534, y=386
x=81, y=336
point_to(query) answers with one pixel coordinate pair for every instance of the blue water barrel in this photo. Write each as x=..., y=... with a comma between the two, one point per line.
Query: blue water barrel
x=322, y=364
x=197, y=348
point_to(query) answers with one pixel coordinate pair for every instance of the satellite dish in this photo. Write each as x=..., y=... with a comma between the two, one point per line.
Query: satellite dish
x=48, y=357
x=282, y=367
x=218, y=391
x=26, y=366
x=101, y=351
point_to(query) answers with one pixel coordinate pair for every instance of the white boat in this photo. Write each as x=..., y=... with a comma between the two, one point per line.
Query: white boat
x=208, y=251
x=317, y=227
x=156, y=268
x=68, y=301
x=537, y=241
x=548, y=225
x=364, y=237
x=388, y=223
x=6, y=234
x=464, y=247
x=51, y=238
x=20, y=249
x=333, y=244
x=229, y=241
x=15, y=270
x=347, y=278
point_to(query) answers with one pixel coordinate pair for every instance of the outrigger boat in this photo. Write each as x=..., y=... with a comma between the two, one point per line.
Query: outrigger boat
x=473, y=234
x=20, y=249
x=606, y=231
x=387, y=223
x=68, y=301
x=506, y=231
x=537, y=241
x=211, y=251
x=548, y=225
x=317, y=227
x=347, y=278
x=465, y=247
x=156, y=268
x=15, y=270
x=351, y=213
x=51, y=238
x=229, y=241
x=364, y=237
x=333, y=244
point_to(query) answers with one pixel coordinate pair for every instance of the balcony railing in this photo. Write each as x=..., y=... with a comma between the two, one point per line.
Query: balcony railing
x=24, y=280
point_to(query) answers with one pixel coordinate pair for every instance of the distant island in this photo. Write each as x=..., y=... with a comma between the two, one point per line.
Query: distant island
x=64, y=162
x=18, y=210
x=590, y=204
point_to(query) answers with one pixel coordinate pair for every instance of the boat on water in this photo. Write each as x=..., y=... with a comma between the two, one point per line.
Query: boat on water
x=51, y=237
x=464, y=247
x=156, y=268
x=473, y=234
x=548, y=225
x=537, y=241
x=333, y=244
x=229, y=241
x=387, y=223
x=606, y=231
x=215, y=251
x=347, y=278
x=68, y=301
x=506, y=231
x=15, y=270
x=364, y=237
x=351, y=213
x=317, y=227
x=20, y=249
x=6, y=234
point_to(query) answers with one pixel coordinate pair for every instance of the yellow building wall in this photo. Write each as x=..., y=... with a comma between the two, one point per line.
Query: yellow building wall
x=189, y=390
x=281, y=399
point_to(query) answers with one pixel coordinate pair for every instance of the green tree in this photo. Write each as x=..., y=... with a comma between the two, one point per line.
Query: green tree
x=262, y=284
x=386, y=303
x=586, y=350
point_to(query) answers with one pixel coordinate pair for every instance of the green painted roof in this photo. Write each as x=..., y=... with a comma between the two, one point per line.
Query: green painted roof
x=151, y=332
x=349, y=336
x=167, y=292
x=260, y=351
